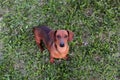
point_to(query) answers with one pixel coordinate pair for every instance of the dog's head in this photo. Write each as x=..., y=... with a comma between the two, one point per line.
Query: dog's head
x=61, y=37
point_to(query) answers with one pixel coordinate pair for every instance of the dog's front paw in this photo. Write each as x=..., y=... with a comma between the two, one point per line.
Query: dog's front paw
x=51, y=60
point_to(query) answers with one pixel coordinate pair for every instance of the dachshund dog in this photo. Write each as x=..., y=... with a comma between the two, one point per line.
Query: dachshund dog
x=56, y=41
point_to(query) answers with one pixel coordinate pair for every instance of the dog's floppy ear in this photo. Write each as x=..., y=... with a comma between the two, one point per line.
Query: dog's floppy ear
x=70, y=35
x=52, y=34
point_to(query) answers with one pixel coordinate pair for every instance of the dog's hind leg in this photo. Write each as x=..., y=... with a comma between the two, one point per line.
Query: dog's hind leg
x=40, y=45
x=39, y=42
x=38, y=38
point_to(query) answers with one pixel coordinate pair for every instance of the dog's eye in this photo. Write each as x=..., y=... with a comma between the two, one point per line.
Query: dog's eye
x=65, y=36
x=58, y=36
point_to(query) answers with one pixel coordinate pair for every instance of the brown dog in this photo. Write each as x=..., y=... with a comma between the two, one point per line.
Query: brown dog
x=56, y=41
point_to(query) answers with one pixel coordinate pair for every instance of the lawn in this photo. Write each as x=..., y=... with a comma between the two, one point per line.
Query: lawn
x=94, y=53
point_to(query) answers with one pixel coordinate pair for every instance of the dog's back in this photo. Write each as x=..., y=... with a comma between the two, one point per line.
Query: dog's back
x=43, y=28
x=41, y=33
x=46, y=29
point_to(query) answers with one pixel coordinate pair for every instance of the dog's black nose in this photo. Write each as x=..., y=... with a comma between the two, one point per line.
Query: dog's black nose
x=61, y=44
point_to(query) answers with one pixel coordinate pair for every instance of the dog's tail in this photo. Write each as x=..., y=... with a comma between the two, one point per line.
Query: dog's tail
x=33, y=29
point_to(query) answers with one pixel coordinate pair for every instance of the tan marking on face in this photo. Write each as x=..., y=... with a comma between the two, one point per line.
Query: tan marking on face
x=61, y=38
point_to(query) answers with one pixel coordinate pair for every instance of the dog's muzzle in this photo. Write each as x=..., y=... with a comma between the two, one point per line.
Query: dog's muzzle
x=62, y=44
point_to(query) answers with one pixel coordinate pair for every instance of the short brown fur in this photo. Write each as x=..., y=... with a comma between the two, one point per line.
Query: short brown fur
x=56, y=41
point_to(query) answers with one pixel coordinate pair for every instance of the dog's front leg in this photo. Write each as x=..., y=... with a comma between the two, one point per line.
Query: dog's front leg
x=66, y=57
x=51, y=59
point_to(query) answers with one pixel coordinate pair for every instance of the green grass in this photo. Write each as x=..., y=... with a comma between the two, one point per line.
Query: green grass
x=94, y=52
